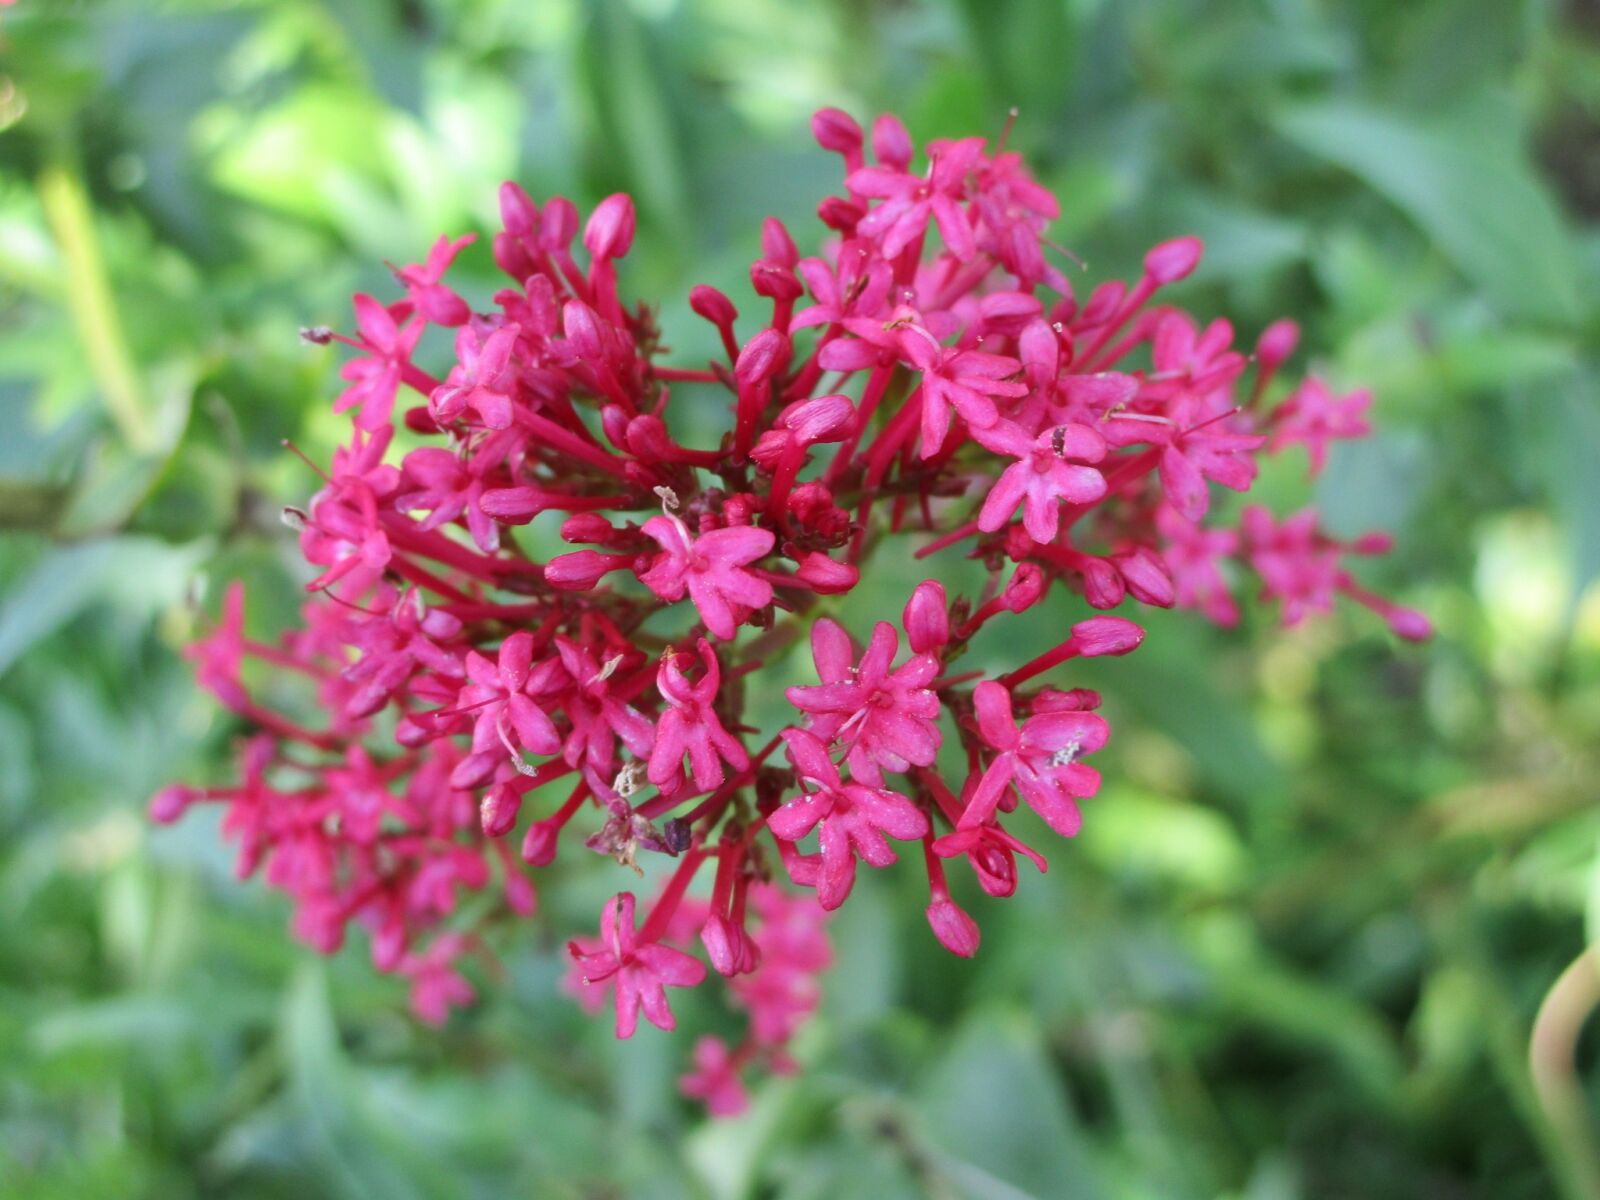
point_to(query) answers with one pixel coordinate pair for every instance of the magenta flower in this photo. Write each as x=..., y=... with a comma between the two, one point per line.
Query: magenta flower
x=711, y=569
x=854, y=818
x=690, y=726
x=375, y=379
x=219, y=656
x=435, y=302
x=1047, y=472
x=1313, y=416
x=598, y=715
x=504, y=716
x=909, y=202
x=1208, y=450
x=639, y=971
x=885, y=716
x=439, y=482
x=481, y=380
x=1042, y=760
x=715, y=1079
x=967, y=380
x=1193, y=555
x=1066, y=446
x=436, y=986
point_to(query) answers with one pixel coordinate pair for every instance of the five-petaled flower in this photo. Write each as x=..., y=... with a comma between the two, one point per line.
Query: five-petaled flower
x=711, y=568
x=853, y=818
x=886, y=717
x=638, y=971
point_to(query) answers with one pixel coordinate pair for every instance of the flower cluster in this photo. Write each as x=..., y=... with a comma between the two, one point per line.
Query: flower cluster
x=929, y=374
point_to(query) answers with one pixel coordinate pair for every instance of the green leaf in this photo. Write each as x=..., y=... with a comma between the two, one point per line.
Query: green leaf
x=1475, y=196
x=996, y=1113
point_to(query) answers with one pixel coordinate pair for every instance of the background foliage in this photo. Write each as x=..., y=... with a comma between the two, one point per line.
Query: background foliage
x=1296, y=951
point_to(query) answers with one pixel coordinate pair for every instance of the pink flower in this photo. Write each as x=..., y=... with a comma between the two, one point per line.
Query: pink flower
x=436, y=986
x=497, y=699
x=711, y=569
x=375, y=379
x=481, y=381
x=598, y=716
x=909, y=202
x=639, y=971
x=1061, y=443
x=435, y=302
x=1046, y=473
x=854, y=818
x=1193, y=554
x=1296, y=565
x=219, y=655
x=1208, y=450
x=886, y=718
x=1313, y=416
x=966, y=380
x=1041, y=760
x=715, y=1079
x=439, y=481
x=690, y=726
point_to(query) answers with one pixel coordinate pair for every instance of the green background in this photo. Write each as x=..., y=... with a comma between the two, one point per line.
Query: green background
x=1298, y=948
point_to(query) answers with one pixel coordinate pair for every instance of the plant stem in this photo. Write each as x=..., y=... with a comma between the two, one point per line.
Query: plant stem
x=1551, y=1050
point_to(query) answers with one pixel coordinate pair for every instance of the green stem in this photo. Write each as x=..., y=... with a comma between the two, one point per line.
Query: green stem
x=94, y=310
x=1551, y=1049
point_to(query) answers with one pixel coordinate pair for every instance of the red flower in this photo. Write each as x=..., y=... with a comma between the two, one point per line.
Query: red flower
x=690, y=726
x=1041, y=760
x=639, y=971
x=711, y=569
x=854, y=818
x=886, y=718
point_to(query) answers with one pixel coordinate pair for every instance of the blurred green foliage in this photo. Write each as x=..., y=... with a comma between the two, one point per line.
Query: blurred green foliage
x=1296, y=951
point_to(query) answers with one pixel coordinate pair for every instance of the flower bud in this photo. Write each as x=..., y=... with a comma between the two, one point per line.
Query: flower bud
x=759, y=358
x=539, y=843
x=1104, y=301
x=1277, y=343
x=558, y=223
x=1025, y=588
x=512, y=257
x=588, y=527
x=521, y=898
x=773, y=281
x=518, y=213
x=170, y=803
x=825, y=576
x=956, y=931
x=609, y=232
x=836, y=130
x=711, y=304
x=891, y=143
x=1106, y=635
x=1103, y=587
x=1410, y=624
x=498, y=812
x=580, y=570
x=514, y=505
x=776, y=244
x=1174, y=260
x=1040, y=352
x=581, y=324
x=1147, y=577
x=841, y=214
x=823, y=419
x=927, y=617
